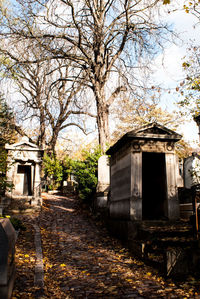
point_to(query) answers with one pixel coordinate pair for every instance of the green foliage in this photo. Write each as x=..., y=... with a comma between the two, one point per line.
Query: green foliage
x=85, y=172
x=53, y=171
x=190, y=87
x=67, y=167
x=3, y=166
x=7, y=125
x=17, y=223
x=7, y=135
x=3, y=158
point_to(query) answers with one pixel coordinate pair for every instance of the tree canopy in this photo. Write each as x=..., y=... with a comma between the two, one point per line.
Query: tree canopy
x=106, y=41
x=49, y=96
x=7, y=123
x=190, y=87
x=137, y=113
x=7, y=135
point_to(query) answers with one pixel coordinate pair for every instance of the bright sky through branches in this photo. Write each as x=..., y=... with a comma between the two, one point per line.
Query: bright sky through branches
x=169, y=72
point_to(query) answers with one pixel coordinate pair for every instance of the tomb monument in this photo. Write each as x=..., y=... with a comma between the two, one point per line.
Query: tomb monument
x=7, y=258
x=144, y=175
x=103, y=181
x=24, y=172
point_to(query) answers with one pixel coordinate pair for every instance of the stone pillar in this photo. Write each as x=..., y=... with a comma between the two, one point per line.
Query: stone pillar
x=172, y=190
x=103, y=181
x=18, y=181
x=136, y=186
x=32, y=178
x=179, y=170
x=37, y=186
x=197, y=120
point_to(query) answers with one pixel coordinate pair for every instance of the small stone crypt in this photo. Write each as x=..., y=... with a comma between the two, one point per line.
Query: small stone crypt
x=144, y=175
x=143, y=204
x=24, y=172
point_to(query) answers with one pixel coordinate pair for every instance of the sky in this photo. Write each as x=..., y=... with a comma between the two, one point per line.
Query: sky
x=168, y=66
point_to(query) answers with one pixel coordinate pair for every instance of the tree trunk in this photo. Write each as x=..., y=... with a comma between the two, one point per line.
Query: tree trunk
x=52, y=143
x=41, y=138
x=42, y=132
x=103, y=125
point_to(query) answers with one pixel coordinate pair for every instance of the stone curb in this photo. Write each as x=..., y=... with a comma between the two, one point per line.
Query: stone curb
x=39, y=267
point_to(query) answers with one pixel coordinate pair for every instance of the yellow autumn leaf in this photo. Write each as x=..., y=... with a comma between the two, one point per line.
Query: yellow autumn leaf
x=166, y=2
x=49, y=265
x=149, y=273
x=129, y=280
x=62, y=265
x=26, y=255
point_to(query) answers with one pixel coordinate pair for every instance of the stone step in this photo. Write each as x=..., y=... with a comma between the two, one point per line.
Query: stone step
x=170, y=247
x=161, y=230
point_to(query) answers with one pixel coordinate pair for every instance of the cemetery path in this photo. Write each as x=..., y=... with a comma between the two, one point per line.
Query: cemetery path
x=80, y=259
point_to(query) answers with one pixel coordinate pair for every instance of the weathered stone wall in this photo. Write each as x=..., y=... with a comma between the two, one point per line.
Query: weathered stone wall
x=120, y=187
x=172, y=189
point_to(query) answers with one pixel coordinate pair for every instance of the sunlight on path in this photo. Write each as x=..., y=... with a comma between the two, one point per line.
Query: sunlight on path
x=66, y=253
x=81, y=260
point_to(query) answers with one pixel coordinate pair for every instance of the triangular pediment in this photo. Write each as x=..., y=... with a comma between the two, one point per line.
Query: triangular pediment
x=153, y=129
x=152, y=132
x=24, y=144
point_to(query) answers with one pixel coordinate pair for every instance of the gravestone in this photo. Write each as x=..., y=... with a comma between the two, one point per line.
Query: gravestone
x=192, y=171
x=7, y=258
x=190, y=191
x=103, y=181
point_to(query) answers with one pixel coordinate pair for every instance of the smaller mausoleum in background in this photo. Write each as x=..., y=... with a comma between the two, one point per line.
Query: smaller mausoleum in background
x=24, y=171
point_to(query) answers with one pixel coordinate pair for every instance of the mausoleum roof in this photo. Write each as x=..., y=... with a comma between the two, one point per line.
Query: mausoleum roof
x=153, y=131
x=23, y=144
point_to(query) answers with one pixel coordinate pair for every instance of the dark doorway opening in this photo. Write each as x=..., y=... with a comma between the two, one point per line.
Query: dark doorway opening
x=153, y=185
x=26, y=170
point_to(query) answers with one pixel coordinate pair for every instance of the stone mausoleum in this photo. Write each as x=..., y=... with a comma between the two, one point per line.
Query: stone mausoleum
x=24, y=172
x=144, y=175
